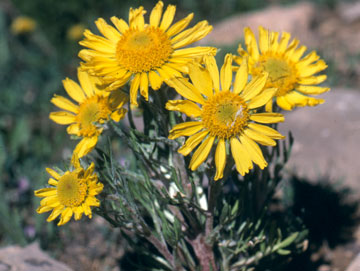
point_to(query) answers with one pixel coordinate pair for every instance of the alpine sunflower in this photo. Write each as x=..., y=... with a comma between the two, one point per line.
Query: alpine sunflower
x=145, y=54
x=94, y=108
x=72, y=192
x=226, y=115
x=292, y=74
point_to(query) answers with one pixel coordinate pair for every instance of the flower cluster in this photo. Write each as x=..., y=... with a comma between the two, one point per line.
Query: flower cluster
x=232, y=109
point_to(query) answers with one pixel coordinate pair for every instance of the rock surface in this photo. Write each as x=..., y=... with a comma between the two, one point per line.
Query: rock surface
x=355, y=265
x=30, y=258
x=327, y=138
x=295, y=19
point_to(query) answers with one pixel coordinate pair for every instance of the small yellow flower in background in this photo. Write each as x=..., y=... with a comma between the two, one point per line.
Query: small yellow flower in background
x=293, y=75
x=95, y=107
x=22, y=25
x=75, y=32
x=71, y=193
x=227, y=115
x=146, y=54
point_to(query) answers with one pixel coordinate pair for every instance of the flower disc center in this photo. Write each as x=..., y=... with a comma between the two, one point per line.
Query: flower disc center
x=282, y=74
x=225, y=114
x=143, y=50
x=93, y=111
x=71, y=190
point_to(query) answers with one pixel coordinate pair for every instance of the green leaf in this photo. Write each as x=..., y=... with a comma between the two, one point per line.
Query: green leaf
x=288, y=241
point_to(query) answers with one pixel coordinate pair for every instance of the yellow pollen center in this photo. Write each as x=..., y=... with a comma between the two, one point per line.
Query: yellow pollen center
x=92, y=112
x=225, y=114
x=143, y=50
x=282, y=73
x=71, y=190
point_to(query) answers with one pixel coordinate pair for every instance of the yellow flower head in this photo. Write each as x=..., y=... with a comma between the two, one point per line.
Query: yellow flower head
x=226, y=116
x=23, y=24
x=94, y=108
x=72, y=192
x=75, y=32
x=146, y=54
x=293, y=75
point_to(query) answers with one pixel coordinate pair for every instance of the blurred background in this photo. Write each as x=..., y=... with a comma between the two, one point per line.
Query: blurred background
x=38, y=49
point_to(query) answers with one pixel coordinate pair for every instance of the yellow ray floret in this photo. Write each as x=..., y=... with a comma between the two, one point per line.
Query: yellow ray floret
x=224, y=113
x=292, y=74
x=70, y=193
x=144, y=53
x=92, y=109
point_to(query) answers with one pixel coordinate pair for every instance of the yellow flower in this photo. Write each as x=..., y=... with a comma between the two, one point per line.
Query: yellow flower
x=293, y=75
x=22, y=24
x=227, y=115
x=146, y=54
x=75, y=32
x=95, y=107
x=72, y=192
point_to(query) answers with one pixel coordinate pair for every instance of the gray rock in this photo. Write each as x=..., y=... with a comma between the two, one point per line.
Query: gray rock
x=295, y=19
x=29, y=258
x=327, y=138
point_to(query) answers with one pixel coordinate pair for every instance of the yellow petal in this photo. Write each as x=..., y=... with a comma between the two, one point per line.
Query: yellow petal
x=53, y=173
x=118, y=114
x=264, y=39
x=86, y=145
x=241, y=77
x=64, y=103
x=267, y=117
x=45, y=192
x=220, y=159
x=262, y=98
x=134, y=89
x=255, y=86
x=241, y=157
x=260, y=138
x=74, y=90
x=44, y=209
x=192, y=142
x=62, y=117
x=311, y=90
x=53, y=182
x=193, y=52
x=201, y=79
x=55, y=213
x=226, y=73
x=312, y=80
x=186, y=89
x=185, y=129
x=85, y=83
x=283, y=103
x=107, y=31
x=266, y=130
x=180, y=25
x=136, y=18
x=65, y=216
x=254, y=151
x=250, y=42
x=296, y=99
x=144, y=85
x=184, y=106
x=201, y=153
x=191, y=35
x=212, y=67
x=120, y=24
x=73, y=129
x=312, y=69
x=155, y=80
x=156, y=13
x=78, y=211
x=285, y=37
x=168, y=17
